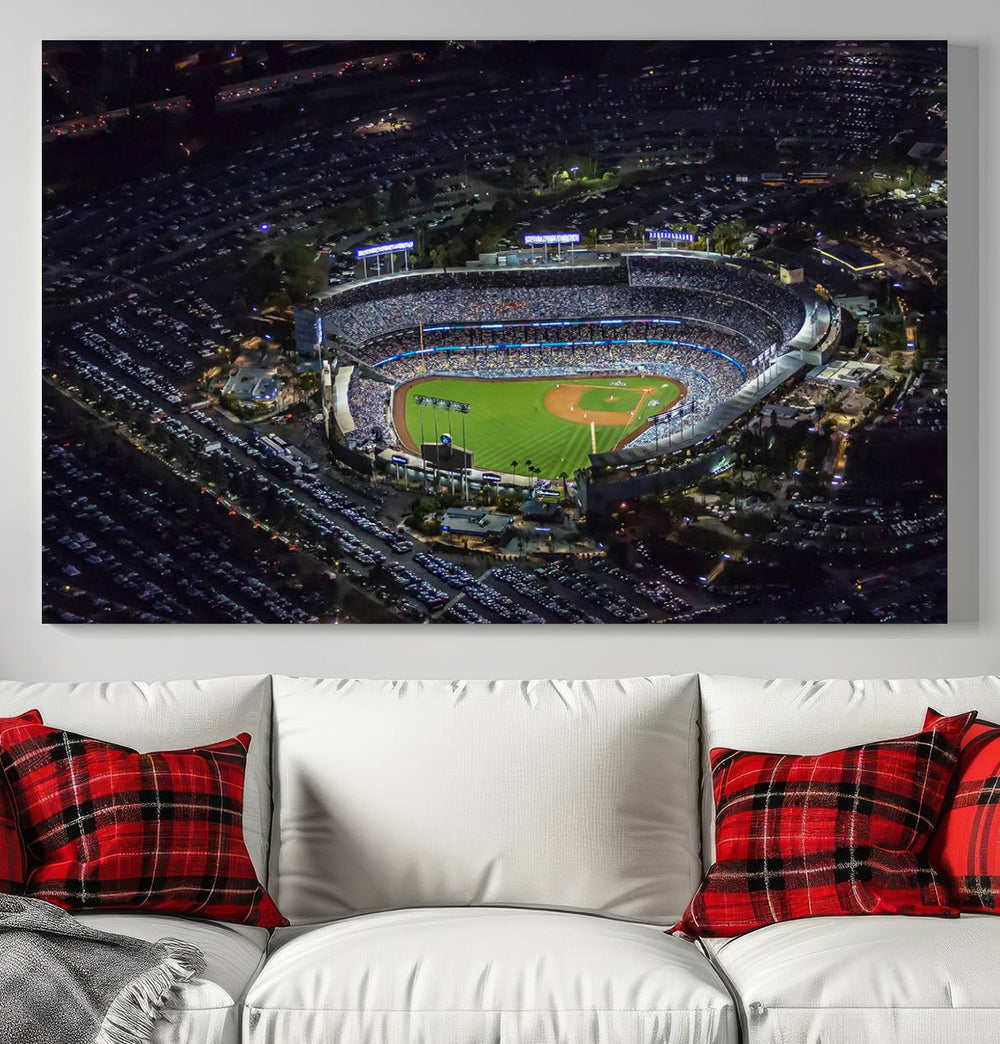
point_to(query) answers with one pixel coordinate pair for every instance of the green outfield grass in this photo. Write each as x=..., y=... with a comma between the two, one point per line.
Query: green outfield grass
x=509, y=419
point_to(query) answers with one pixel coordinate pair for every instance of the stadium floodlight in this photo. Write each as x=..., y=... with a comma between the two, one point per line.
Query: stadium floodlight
x=379, y=250
x=383, y=248
x=547, y=238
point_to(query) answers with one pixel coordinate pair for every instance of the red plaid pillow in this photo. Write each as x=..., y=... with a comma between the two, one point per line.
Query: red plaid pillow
x=12, y=869
x=966, y=844
x=827, y=834
x=108, y=828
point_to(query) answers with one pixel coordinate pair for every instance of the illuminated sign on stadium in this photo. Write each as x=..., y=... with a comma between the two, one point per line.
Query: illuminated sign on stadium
x=675, y=237
x=383, y=248
x=548, y=238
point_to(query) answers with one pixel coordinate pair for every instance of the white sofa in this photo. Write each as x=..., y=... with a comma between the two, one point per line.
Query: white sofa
x=495, y=862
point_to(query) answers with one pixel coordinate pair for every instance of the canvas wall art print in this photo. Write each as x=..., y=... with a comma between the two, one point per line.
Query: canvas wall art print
x=494, y=332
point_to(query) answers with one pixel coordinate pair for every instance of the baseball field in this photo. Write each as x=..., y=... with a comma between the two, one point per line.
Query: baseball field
x=553, y=422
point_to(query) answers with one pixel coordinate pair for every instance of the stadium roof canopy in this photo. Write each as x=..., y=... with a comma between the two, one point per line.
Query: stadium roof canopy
x=540, y=509
x=470, y=522
x=847, y=373
x=929, y=150
x=253, y=384
x=850, y=257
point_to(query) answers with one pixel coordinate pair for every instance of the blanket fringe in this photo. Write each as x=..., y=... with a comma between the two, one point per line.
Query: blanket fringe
x=133, y=1013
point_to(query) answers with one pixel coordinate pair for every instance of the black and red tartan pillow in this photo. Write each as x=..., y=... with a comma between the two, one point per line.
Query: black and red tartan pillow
x=12, y=869
x=965, y=847
x=828, y=834
x=105, y=827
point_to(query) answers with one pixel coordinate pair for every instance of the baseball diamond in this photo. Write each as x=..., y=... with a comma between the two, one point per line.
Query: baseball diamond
x=546, y=421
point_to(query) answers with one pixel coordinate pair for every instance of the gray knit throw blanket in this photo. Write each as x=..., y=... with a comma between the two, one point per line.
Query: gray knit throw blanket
x=64, y=983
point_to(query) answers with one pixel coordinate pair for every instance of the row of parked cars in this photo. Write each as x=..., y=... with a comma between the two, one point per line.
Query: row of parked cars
x=130, y=555
x=477, y=590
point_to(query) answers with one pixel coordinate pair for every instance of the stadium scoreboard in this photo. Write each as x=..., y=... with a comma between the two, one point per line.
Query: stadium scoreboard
x=441, y=404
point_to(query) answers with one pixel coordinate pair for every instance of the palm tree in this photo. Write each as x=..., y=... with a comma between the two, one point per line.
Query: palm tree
x=513, y=471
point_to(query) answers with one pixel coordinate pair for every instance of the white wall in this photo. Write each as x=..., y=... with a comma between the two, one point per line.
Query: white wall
x=968, y=645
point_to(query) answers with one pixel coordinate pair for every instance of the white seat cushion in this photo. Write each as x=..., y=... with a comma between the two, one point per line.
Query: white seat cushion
x=791, y=716
x=578, y=795
x=206, y=1010
x=479, y=976
x=853, y=980
x=168, y=716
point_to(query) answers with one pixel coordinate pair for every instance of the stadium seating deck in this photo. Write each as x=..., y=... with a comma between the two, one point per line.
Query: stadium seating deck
x=705, y=323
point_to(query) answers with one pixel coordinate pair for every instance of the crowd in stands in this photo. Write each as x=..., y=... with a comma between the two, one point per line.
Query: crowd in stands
x=729, y=279
x=369, y=403
x=533, y=338
x=718, y=294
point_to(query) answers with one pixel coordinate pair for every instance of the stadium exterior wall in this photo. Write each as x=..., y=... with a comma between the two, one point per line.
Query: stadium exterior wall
x=599, y=495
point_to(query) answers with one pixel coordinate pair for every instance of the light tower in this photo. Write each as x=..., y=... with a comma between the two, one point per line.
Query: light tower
x=326, y=386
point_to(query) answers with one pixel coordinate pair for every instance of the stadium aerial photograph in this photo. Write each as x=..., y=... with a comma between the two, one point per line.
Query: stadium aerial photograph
x=491, y=332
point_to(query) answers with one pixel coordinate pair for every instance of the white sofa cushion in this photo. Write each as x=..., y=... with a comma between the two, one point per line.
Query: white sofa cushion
x=577, y=795
x=168, y=716
x=848, y=980
x=789, y=716
x=208, y=1009
x=476, y=976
